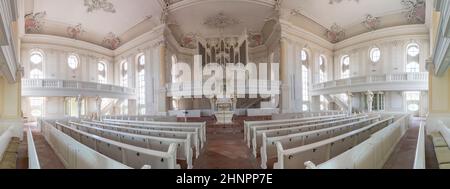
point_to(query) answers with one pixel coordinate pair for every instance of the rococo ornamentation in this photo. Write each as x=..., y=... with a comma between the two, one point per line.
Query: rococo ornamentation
x=93, y=5
x=371, y=22
x=335, y=33
x=34, y=22
x=111, y=41
x=221, y=21
x=415, y=10
x=75, y=32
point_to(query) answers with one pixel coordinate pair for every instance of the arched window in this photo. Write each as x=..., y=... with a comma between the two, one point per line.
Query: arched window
x=36, y=106
x=412, y=100
x=124, y=74
x=72, y=61
x=305, y=79
x=36, y=74
x=36, y=57
x=345, y=67
x=174, y=75
x=375, y=55
x=322, y=69
x=412, y=60
x=102, y=72
x=141, y=83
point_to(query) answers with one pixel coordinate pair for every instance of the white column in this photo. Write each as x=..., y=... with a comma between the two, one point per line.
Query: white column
x=350, y=103
x=99, y=107
x=369, y=101
x=79, y=103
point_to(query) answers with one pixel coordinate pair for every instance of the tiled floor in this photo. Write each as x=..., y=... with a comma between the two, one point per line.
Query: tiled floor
x=225, y=148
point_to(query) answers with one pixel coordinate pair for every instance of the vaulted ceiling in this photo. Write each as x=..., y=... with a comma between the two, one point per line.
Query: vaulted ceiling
x=114, y=22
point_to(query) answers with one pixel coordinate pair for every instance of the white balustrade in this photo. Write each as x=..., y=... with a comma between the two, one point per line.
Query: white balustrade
x=36, y=84
x=402, y=78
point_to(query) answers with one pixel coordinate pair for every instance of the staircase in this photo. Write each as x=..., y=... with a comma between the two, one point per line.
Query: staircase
x=9, y=160
x=337, y=100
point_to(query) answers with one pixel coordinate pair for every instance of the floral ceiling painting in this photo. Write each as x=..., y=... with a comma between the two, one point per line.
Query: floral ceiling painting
x=371, y=23
x=189, y=40
x=255, y=39
x=75, y=32
x=111, y=41
x=34, y=22
x=335, y=33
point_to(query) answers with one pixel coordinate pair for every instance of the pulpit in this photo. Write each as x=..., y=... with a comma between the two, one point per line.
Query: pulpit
x=224, y=113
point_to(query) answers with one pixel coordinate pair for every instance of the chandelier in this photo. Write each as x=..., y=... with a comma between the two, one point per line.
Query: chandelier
x=339, y=1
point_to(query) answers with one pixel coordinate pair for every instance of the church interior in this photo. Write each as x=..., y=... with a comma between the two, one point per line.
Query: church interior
x=224, y=84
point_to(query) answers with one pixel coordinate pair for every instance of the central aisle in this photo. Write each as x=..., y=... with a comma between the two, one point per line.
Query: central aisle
x=225, y=148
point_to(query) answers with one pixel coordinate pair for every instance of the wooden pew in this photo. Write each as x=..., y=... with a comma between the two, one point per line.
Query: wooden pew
x=166, y=134
x=160, y=128
x=201, y=126
x=294, y=157
x=132, y=156
x=287, y=129
x=184, y=150
x=328, y=130
x=252, y=126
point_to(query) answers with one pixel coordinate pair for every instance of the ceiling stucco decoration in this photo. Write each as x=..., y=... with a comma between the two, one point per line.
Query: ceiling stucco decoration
x=335, y=33
x=339, y=1
x=371, y=23
x=34, y=22
x=104, y=5
x=111, y=41
x=221, y=21
x=75, y=32
x=415, y=10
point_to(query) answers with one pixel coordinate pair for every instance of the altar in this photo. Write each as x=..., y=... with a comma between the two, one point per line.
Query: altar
x=224, y=113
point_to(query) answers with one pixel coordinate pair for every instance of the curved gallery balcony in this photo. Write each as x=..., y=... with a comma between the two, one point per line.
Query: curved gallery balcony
x=386, y=82
x=63, y=88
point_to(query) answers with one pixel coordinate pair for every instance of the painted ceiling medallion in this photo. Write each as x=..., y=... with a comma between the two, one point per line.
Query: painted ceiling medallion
x=221, y=21
x=34, y=22
x=75, y=32
x=339, y=1
x=335, y=33
x=371, y=23
x=111, y=41
x=93, y=5
x=415, y=10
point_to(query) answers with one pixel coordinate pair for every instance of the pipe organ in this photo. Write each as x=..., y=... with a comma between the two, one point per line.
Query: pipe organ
x=223, y=50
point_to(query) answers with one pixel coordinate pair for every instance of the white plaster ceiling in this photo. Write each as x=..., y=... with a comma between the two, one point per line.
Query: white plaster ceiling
x=251, y=16
x=346, y=13
x=128, y=14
